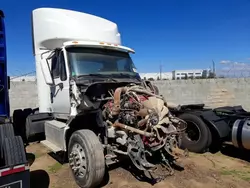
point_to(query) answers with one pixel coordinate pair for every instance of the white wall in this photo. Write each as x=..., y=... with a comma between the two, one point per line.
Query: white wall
x=212, y=92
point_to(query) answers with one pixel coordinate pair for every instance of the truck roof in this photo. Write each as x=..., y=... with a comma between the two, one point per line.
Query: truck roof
x=52, y=27
x=1, y=14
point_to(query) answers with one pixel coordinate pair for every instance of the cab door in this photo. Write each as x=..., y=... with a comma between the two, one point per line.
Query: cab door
x=60, y=99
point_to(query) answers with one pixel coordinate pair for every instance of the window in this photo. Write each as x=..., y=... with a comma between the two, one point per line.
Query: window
x=85, y=61
x=62, y=67
x=58, y=67
x=55, y=66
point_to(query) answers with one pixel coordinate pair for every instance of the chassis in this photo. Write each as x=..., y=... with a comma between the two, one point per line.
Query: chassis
x=208, y=128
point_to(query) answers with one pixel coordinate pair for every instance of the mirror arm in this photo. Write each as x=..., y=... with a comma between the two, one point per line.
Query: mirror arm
x=59, y=84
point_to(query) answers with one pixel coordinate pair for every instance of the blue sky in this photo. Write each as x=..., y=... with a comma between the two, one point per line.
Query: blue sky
x=179, y=34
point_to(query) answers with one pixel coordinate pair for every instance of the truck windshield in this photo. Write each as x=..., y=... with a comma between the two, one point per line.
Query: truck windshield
x=91, y=61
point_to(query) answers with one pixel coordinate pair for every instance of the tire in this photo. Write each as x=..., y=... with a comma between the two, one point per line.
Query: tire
x=35, y=111
x=203, y=137
x=89, y=148
x=14, y=152
x=6, y=131
x=210, y=139
x=26, y=113
x=17, y=121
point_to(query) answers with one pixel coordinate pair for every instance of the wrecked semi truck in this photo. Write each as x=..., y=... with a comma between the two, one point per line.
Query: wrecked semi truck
x=93, y=104
x=14, y=167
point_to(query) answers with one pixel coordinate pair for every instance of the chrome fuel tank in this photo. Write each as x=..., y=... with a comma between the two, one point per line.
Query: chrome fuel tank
x=241, y=133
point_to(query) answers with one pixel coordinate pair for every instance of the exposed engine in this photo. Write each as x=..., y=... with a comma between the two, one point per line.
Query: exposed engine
x=141, y=121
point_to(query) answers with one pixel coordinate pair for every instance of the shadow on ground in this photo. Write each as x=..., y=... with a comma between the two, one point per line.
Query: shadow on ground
x=38, y=178
x=140, y=175
x=232, y=151
x=31, y=158
x=60, y=157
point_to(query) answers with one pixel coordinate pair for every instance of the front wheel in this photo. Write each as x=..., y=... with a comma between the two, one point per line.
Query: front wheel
x=86, y=158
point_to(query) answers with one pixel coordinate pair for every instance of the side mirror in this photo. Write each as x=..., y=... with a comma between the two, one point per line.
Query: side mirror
x=46, y=72
x=8, y=82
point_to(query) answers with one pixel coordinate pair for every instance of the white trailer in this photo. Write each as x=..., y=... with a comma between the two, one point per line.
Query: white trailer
x=93, y=104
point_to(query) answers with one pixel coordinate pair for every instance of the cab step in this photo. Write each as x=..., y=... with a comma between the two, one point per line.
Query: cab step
x=51, y=146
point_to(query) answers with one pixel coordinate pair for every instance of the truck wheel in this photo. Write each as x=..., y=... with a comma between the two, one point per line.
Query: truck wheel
x=13, y=150
x=17, y=121
x=26, y=113
x=210, y=138
x=86, y=158
x=6, y=131
x=197, y=137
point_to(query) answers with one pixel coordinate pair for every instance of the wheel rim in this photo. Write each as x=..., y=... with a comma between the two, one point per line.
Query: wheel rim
x=77, y=161
x=193, y=132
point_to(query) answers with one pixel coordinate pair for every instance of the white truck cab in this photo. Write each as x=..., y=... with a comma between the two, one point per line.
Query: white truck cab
x=71, y=44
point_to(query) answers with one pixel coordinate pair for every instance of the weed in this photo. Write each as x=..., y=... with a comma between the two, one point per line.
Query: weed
x=55, y=167
x=37, y=155
x=244, y=175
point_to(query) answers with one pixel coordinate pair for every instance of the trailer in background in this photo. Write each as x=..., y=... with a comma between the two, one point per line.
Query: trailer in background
x=14, y=167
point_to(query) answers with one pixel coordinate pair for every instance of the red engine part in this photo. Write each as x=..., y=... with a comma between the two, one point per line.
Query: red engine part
x=109, y=105
x=147, y=142
x=141, y=98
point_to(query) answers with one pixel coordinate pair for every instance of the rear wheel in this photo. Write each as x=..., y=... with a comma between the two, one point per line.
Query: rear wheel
x=6, y=131
x=13, y=151
x=86, y=158
x=18, y=121
x=197, y=137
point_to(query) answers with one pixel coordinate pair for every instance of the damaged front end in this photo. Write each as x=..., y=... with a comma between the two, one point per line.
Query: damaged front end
x=138, y=124
x=149, y=130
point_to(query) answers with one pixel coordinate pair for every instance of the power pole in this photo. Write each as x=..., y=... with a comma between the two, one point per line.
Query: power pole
x=160, y=71
x=213, y=68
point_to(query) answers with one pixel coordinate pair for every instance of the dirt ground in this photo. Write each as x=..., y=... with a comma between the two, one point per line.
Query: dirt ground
x=229, y=168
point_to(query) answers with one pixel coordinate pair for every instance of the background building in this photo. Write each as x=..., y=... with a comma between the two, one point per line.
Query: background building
x=192, y=73
x=157, y=76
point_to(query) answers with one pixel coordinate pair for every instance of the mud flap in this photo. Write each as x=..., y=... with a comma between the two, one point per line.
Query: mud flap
x=216, y=122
